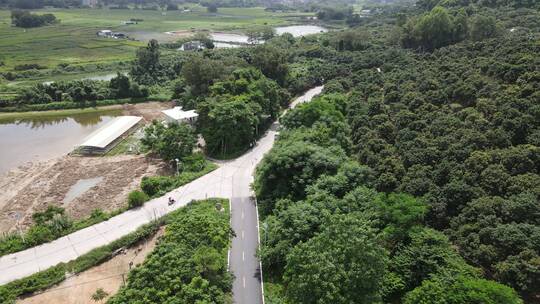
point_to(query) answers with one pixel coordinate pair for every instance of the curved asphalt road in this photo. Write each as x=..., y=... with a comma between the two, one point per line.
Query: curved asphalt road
x=231, y=180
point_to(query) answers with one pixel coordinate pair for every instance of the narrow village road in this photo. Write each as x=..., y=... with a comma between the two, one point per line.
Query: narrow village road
x=231, y=180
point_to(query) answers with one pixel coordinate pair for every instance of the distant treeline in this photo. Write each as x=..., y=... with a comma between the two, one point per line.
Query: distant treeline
x=26, y=19
x=76, y=92
x=34, y=4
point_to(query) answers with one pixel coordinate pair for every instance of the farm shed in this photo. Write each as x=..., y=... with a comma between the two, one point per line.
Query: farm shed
x=105, y=138
x=177, y=115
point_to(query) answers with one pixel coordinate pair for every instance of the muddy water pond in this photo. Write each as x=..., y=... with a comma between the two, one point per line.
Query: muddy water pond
x=38, y=138
x=80, y=187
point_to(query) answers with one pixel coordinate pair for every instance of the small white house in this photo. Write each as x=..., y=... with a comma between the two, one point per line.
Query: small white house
x=105, y=33
x=177, y=115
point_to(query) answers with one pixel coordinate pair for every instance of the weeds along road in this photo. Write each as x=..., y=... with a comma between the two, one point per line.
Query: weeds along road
x=231, y=180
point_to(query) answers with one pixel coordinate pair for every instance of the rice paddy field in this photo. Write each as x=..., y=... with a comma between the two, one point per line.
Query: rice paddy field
x=73, y=41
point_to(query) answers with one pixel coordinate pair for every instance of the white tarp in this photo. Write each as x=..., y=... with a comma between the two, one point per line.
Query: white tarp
x=115, y=128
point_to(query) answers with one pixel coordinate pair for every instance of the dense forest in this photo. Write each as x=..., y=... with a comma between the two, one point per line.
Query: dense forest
x=414, y=178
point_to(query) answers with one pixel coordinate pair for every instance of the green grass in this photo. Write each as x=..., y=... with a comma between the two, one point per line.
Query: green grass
x=73, y=40
x=123, y=147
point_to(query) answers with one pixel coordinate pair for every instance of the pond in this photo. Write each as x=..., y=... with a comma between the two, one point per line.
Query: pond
x=80, y=187
x=229, y=40
x=229, y=37
x=300, y=30
x=42, y=138
x=104, y=77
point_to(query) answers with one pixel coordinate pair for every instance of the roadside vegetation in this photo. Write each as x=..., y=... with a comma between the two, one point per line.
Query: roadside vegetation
x=197, y=238
x=329, y=237
x=189, y=264
x=50, y=225
x=47, y=278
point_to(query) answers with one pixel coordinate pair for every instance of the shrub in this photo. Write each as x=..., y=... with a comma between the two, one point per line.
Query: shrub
x=28, y=66
x=136, y=198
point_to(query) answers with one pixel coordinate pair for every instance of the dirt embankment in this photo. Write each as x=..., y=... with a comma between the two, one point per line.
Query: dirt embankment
x=36, y=187
x=108, y=276
x=149, y=110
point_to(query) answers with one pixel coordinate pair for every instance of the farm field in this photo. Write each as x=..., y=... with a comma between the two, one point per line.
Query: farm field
x=73, y=41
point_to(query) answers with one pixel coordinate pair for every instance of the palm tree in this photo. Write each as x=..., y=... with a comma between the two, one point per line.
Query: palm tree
x=99, y=295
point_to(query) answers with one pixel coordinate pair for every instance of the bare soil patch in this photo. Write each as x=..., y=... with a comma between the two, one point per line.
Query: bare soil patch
x=148, y=110
x=35, y=187
x=78, y=289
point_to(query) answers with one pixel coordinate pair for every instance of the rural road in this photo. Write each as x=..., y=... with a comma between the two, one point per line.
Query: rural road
x=231, y=180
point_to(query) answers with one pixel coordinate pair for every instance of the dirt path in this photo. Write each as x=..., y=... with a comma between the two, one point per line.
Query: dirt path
x=79, y=289
x=36, y=187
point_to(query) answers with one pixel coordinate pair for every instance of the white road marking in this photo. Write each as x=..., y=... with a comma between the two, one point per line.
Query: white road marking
x=242, y=213
x=243, y=256
x=244, y=280
x=242, y=234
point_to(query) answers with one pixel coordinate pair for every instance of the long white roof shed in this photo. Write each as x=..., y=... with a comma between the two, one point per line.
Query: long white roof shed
x=112, y=130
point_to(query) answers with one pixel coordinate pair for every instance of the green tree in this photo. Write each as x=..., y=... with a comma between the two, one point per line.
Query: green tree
x=483, y=27
x=120, y=86
x=462, y=291
x=200, y=73
x=175, y=141
x=289, y=168
x=230, y=125
x=136, y=199
x=146, y=68
x=99, y=295
x=272, y=61
x=342, y=264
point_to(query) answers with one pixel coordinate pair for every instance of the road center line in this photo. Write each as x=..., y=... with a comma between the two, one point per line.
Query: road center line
x=243, y=256
x=242, y=234
x=244, y=281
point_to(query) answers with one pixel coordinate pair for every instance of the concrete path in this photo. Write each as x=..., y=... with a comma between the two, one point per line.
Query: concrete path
x=231, y=180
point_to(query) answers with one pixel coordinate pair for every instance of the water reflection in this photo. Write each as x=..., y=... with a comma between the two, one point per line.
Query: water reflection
x=39, y=138
x=83, y=119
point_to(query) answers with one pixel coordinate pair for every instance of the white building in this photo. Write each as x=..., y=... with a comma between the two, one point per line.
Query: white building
x=105, y=33
x=177, y=115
